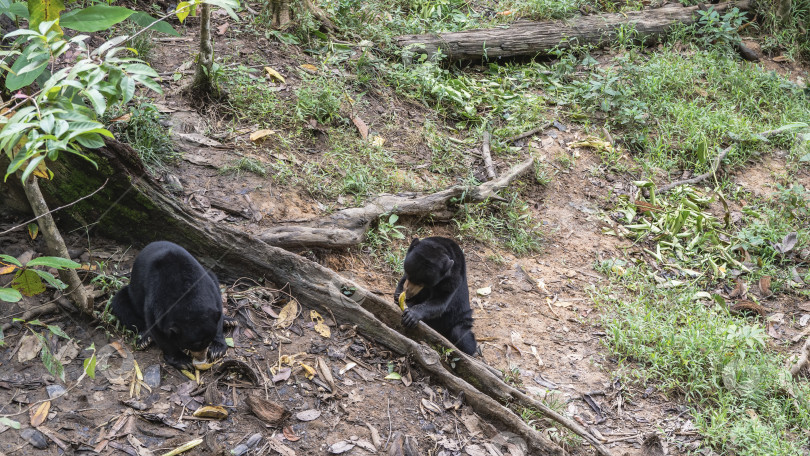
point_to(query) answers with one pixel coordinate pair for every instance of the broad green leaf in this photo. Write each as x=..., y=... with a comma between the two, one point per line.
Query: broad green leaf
x=27, y=282
x=54, y=262
x=143, y=20
x=17, y=80
x=43, y=10
x=33, y=230
x=97, y=100
x=182, y=11
x=89, y=366
x=53, y=281
x=32, y=165
x=95, y=18
x=58, y=331
x=141, y=69
x=10, y=295
x=10, y=260
x=51, y=363
x=90, y=141
x=9, y=422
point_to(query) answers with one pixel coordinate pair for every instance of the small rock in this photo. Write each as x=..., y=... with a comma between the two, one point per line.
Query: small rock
x=35, y=438
x=151, y=376
x=54, y=390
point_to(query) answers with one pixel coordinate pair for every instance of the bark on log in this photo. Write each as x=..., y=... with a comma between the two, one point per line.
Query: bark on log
x=133, y=204
x=348, y=227
x=528, y=39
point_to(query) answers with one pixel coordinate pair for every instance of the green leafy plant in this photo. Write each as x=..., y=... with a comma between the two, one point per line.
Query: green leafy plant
x=27, y=279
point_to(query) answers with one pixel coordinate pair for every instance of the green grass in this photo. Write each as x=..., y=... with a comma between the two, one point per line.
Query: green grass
x=667, y=106
x=670, y=329
x=248, y=164
x=144, y=132
x=509, y=225
x=252, y=99
x=720, y=364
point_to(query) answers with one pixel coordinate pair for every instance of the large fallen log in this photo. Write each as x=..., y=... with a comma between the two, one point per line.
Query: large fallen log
x=133, y=207
x=529, y=39
x=348, y=227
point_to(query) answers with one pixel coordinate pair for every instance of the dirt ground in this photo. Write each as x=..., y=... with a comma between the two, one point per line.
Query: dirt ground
x=548, y=341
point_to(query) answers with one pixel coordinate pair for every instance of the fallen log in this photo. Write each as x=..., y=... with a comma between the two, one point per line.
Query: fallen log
x=348, y=227
x=133, y=207
x=529, y=39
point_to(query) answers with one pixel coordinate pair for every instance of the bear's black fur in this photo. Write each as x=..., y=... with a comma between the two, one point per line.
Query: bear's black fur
x=435, y=284
x=172, y=300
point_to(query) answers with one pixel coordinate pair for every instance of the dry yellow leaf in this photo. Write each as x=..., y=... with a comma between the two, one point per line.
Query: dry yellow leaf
x=40, y=414
x=275, y=75
x=310, y=68
x=42, y=171
x=320, y=326
x=310, y=372
x=287, y=314
x=260, y=134
x=378, y=141
x=7, y=268
x=213, y=412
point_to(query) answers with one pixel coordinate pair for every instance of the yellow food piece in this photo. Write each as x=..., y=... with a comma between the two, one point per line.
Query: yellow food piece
x=188, y=374
x=204, y=366
x=402, y=301
x=213, y=412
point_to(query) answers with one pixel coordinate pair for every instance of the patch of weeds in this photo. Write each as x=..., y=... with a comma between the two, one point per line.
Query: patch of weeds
x=542, y=9
x=251, y=98
x=319, y=98
x=543, y=173
x=107, y=282
x=691, y=345
x=509, y=224
x=790, y=33
x=384, y=242
x=143, y=44
x=352, y=166
x=671, y=108
x=379, y=21
x=139, y=125
x=249, y=164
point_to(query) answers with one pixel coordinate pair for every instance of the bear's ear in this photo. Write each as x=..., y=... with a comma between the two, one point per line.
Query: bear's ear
x=413, y=244
x=447, y=266
x=173, y=331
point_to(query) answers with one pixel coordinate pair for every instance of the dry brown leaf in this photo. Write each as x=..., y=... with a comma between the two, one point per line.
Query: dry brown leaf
x=740, y=290
x=258, y=135
x=361, y=126
x=280, y=448
x=320, y=327
x=268, y=411
x=375, y=435
x=269, y=311
x=29, y=348
x=289, y=434
x=222, y=29
x=537, y=356
x=124, y=118
x=781, y=58
x=40, y=413
x=765, y=286
x=517, y=341
x=287, y=314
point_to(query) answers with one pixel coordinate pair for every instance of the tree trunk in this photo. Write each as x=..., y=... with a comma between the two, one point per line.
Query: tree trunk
x=56, y=245
x=528, y=39
x=203, y=85
x=134, y=208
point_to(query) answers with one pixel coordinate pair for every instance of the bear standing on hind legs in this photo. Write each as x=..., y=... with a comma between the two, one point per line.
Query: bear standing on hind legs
x=435, y=286
x=172, y=300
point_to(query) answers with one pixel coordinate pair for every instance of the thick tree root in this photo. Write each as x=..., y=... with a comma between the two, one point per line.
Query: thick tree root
x=141, y=208
x=348, y=227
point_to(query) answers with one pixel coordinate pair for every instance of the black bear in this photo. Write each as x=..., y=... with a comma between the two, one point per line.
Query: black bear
x=172, y=300
x=435, y=286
